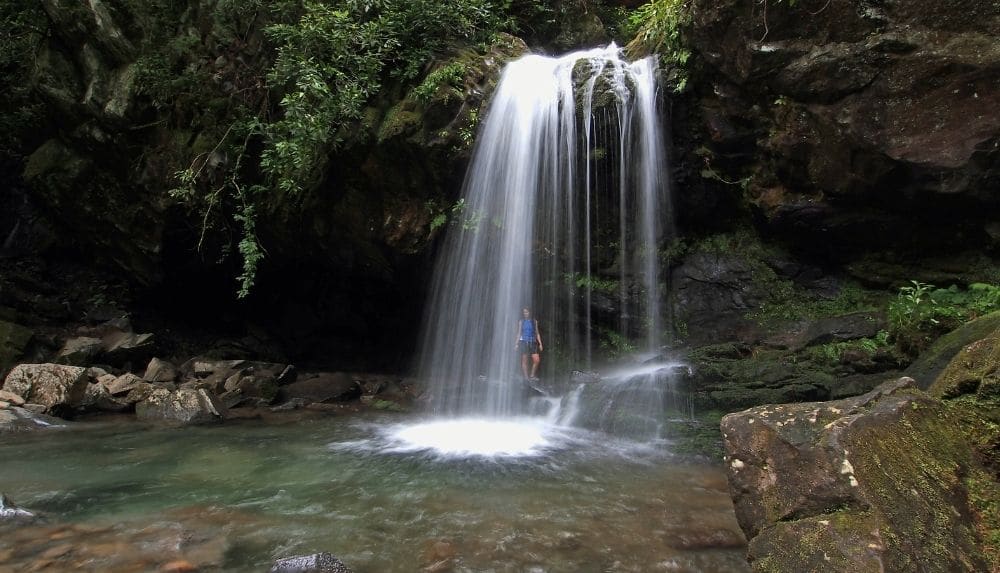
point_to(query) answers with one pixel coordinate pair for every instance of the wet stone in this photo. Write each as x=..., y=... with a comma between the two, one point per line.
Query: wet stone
x=316, y=563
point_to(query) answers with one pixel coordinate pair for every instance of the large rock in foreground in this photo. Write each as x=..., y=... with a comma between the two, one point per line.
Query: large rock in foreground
x=872, y=483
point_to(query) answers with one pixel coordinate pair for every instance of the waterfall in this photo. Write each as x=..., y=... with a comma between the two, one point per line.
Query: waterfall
x=563, y=208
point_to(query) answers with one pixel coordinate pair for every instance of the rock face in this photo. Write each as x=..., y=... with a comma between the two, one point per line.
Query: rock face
x=712, y=293
x=863, y=126
x=872, y=483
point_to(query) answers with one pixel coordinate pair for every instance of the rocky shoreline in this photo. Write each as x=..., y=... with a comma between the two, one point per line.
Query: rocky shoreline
x=197, y=392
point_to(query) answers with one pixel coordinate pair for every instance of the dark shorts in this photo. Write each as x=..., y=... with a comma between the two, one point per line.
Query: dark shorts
x=527, y=347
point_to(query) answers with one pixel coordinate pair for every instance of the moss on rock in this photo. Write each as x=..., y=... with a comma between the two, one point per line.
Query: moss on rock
x=974, y=370
x=879, y=482
x=932, y=362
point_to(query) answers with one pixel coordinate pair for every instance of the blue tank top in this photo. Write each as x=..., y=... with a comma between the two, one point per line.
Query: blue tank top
x=528, y=329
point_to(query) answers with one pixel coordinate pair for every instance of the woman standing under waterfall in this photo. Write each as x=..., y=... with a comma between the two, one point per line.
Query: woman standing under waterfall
x=529, y=343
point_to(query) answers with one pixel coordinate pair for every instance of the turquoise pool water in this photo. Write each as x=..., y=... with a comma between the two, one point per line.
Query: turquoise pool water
x=235, y=497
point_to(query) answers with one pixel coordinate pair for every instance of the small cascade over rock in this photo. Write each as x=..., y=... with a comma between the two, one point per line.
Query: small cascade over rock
x=565, y=204
x=634, y=402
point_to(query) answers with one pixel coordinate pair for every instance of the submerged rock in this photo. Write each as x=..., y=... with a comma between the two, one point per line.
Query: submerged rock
x=10, y=511
x=877, y=482
x=14, y=419
x=315, y=563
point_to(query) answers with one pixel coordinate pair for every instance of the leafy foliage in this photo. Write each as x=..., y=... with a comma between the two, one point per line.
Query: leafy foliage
x=592, y=282
x=446, y=78
x=831, y=353
x=615, y=344
x=23, y=26
x=921, y=312
x=660, y=28
x=276, y=122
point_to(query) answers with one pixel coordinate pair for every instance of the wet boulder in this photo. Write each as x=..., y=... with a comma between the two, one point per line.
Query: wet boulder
x=183, y=406
x=872, y=483
x=14, y=419
x=57, y=388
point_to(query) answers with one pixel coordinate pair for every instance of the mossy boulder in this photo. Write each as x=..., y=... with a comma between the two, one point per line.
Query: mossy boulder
x=732, y=376
x=974, y=370
x=932, y=362
x=879, y=482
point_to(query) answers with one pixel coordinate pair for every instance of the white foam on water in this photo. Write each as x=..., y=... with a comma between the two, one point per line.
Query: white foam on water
x=475, y=437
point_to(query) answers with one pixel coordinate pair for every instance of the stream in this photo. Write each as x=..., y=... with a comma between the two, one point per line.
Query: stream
x=383, y=492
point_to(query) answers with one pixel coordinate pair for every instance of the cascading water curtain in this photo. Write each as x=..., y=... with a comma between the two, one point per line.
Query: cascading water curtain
x=565, y=203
